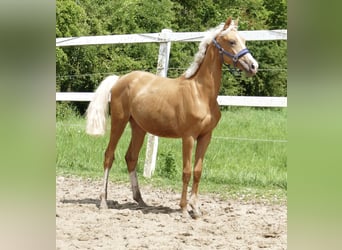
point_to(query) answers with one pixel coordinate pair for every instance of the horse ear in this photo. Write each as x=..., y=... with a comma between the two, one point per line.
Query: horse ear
x=226, y=25
x=236, y=22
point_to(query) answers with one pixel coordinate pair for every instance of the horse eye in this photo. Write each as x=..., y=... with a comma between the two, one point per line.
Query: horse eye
x=232, y=42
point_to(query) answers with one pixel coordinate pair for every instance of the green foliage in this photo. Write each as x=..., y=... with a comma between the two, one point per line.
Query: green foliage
x=277, y=17
x=168, y=168
x=65, y=111
x=82, y=68
x=70, y=19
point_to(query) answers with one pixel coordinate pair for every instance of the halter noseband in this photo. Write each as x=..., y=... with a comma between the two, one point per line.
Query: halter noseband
x=235, y=58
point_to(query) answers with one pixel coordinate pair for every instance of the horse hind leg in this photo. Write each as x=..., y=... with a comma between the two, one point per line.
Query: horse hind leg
x=137, y=140
x=117, y=128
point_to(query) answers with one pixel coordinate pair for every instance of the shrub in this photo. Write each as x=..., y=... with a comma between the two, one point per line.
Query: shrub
x=65, y=111
x=168, y=168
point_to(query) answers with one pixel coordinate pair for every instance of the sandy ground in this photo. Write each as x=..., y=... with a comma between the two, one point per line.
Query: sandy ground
x=225, y=224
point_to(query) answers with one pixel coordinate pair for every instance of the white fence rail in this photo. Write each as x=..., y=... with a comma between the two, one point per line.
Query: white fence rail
x=247, y=101
x=254, y=35
x=165, y=38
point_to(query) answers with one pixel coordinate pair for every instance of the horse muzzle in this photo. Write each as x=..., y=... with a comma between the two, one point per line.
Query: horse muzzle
x=249, y=65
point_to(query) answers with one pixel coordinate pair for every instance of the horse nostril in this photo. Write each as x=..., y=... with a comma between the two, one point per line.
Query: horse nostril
x=254, y=67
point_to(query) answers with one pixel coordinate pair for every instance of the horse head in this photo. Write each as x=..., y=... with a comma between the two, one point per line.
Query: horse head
x=233, y=50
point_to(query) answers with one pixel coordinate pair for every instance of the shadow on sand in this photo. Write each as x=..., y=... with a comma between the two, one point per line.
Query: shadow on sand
x=128, y=205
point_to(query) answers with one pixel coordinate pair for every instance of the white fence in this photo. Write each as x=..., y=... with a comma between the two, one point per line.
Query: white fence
x=165, y=38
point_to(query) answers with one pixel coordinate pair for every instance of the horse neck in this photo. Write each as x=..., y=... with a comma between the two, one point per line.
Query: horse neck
x=209, y=74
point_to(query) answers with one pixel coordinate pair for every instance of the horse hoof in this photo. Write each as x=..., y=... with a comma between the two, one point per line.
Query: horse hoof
x=195, y=213
x=185, y=214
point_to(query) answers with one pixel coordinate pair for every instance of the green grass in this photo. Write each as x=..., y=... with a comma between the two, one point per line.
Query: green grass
x=246, y=156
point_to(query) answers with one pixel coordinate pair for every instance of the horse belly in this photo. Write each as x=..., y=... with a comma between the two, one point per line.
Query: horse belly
x=173, y=124
x=158, y=126
x=157, y=119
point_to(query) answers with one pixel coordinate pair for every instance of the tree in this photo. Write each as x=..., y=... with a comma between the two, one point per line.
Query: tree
x=70, y=19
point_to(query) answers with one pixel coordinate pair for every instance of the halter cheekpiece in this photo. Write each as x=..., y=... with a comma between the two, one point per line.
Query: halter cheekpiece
x=235, y=57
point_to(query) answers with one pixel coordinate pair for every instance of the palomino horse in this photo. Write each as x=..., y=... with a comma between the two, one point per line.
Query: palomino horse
x=185, y=107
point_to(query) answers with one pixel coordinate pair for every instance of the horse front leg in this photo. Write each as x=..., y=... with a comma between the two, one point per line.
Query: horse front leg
x=188, y=144
x=201, y=148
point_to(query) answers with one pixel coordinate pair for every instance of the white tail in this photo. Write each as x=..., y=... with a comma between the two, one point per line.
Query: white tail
x=98, y=107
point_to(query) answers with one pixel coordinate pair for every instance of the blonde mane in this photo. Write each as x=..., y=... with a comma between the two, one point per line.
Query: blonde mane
x=202, y=48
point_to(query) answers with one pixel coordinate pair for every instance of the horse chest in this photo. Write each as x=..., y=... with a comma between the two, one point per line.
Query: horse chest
x=203, y=120
x=210, y=120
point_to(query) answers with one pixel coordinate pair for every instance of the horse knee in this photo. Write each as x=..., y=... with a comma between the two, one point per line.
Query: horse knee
x=186, y=177
x=197, y=175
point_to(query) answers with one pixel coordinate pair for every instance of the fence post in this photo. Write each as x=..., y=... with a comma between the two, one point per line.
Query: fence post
x=152, y=140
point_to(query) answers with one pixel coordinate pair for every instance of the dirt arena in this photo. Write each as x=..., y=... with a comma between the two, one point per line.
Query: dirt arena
x=225, y=224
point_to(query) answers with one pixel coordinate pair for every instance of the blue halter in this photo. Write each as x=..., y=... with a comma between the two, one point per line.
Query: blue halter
x=235, y=58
